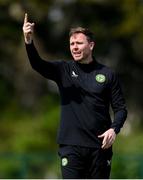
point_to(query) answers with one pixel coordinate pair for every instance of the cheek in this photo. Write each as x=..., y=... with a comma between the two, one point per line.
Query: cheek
x=70, y=48
x=83, y=48
x=86, y=50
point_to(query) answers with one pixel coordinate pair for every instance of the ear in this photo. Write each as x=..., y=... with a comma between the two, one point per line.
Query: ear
x=92, y=44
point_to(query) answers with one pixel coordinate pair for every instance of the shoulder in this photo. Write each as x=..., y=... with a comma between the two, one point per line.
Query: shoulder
x=105, y=68
x=60, y=62
x=66, y=63
x=63, y=65
x=107, y=71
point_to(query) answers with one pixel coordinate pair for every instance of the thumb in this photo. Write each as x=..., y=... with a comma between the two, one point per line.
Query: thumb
x=32, y=27
x=101, y=136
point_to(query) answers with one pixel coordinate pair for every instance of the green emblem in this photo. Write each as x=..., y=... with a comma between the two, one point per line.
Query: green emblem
x=64, y=161
x=100, y=78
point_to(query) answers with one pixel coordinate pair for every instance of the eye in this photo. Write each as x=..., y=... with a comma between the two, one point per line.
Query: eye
x=71, y=44
x=79, y=42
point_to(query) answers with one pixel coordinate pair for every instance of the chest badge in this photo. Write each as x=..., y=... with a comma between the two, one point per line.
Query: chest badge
x=100, y=78
x=74, y=74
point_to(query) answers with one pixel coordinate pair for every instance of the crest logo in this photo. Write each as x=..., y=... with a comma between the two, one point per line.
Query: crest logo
x=100, y=78
x=64, y=161
x=74, y=74
x=108, y=162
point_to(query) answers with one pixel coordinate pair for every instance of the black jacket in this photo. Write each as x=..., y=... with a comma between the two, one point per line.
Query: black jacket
x=87, y=91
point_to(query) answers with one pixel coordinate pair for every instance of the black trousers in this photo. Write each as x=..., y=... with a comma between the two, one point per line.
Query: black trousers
x=85, y=163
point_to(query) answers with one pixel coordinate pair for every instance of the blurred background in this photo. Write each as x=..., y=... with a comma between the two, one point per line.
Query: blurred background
x=29, y=104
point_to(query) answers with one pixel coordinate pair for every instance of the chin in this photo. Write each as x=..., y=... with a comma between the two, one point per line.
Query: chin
x=77, y=59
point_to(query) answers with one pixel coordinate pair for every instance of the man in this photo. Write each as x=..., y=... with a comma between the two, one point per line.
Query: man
x=87, y=88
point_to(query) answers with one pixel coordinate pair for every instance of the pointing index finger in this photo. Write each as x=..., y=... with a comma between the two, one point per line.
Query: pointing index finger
x=26, y=18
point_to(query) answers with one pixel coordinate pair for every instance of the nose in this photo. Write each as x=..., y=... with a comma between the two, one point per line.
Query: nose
x=75, y=47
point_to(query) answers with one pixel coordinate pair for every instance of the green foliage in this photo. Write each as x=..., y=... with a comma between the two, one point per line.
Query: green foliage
x=29, y=111
x=127, y=160
x=126, y=167
x=28, y=140
x=35, y=165
x=29, y=132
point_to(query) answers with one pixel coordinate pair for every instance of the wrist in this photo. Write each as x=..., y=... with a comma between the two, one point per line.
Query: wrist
x=28, y=41
x=114, y=129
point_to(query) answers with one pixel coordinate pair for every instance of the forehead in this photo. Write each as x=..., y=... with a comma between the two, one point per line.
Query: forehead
x=78, y=36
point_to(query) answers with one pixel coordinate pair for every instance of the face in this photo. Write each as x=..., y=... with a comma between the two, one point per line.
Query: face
x=81, y=48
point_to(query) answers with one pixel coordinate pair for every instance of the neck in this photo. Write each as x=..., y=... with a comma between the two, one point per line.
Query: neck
x=86, y=61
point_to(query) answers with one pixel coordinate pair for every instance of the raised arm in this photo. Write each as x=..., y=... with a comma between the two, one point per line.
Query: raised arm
x=48, y=69
x=28, y=29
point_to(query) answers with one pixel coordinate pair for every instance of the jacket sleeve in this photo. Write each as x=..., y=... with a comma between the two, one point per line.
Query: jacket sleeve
x=48, y=69
x=118, y=104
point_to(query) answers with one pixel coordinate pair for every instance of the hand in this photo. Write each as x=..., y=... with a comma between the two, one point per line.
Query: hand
x=28, y=29
x=109, y=137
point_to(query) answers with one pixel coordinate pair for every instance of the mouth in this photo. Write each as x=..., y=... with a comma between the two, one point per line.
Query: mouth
x=77, y=54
